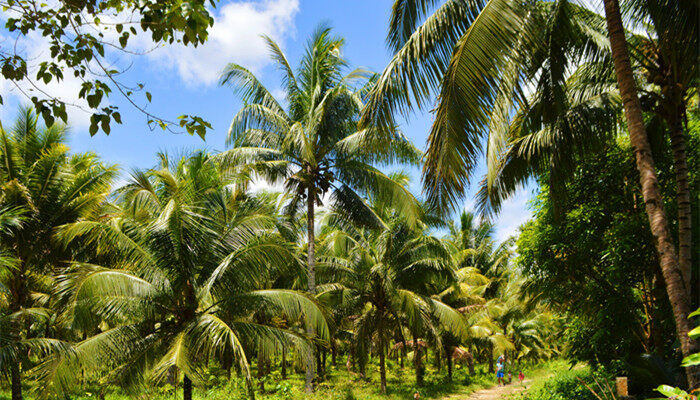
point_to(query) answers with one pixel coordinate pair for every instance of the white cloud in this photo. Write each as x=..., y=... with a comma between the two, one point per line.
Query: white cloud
x=235, y=37
x=514, y=213
x=34, y=47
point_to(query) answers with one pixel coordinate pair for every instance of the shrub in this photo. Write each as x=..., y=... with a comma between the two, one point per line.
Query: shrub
x=569, y=385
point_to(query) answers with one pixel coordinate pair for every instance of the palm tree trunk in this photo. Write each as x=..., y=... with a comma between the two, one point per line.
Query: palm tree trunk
x=382, y=366
x=16, y=378
x=186, y=388
x=311, y=279
x=677, y=293
x=334, y=354
x=261, y=372
x=284, y=362
x=249, y=384
x=680, y=165
x=448, y=357
x=319, y=364
x=403, y=349
x=417, y=361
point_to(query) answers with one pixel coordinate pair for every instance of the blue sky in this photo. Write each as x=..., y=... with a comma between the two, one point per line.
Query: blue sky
x=183, y=80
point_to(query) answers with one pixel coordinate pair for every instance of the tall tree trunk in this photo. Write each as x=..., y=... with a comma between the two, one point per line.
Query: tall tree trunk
x=261, y=372
x=677, y=293
x=284, y=362
x=680, y=166
x=437, y=361
x=382, y=366
x=319, y=364
x=470, y=360
x=16, y=383
x=249, y=383
x=334, y=353
x=311, y=279
x=448, y=357
x=186, y=388
x=403, y=349
x=417, y=361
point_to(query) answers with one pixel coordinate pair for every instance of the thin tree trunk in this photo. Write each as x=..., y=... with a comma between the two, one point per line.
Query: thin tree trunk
x=417, y=362
x=334, y=353
x=284, y=362
x=403, y=348
x=186, y=388
x=658, y=221
x=249, y=383
x=319, y=364
x=16, y=378
x=312, y=281
x=680, y=166
x=261, y=372
x=470, y=360
x=382, y=366
x=448, y=357
x=437, y=362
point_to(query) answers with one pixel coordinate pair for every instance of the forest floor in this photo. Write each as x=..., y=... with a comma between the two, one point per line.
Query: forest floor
x=536, y=376
x=493, y=393
x=341, y=385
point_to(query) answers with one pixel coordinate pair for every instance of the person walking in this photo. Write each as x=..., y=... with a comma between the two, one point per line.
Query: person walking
x=500, y=370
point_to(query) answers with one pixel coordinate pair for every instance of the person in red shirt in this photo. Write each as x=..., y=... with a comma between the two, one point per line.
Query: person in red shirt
x=521, y=377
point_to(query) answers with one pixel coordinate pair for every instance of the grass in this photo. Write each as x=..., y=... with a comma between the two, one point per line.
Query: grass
x=338, y=385
x=541, y=374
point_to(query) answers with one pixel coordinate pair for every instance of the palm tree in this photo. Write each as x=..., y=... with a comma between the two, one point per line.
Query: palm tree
x=43, y=187
x=669, y=58
x=528, y=325
x=673, y=275
x=481, y=56
x=313, y=144
x=186, y=260
x=665, y=69
x=386, y=276
x=480, y=266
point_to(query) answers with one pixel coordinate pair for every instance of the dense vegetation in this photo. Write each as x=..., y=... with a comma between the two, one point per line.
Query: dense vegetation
x=183, y=281
x=182, y=270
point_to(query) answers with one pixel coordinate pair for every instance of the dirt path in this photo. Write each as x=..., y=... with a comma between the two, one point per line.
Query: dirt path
x=493, y=393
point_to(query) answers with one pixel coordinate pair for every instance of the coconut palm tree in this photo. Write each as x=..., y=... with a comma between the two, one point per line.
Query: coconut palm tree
x=186, y=260
x=527, y=324
x=387, y=277
x=43, y=186
x=479, y=57
x=313, y=145
x=669, y=60
x=480, y=264
x=665, y=66
x=668, y=257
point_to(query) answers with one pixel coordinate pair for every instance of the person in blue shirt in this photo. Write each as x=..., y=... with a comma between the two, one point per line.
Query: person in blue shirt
x=500, y=370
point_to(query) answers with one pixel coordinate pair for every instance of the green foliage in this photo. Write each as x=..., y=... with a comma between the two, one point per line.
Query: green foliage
x=42, y=187
x=80, y=36
x=588, y=250
x=313, y=144
x=572, y=385
x=184, y=268
x=479, y=57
